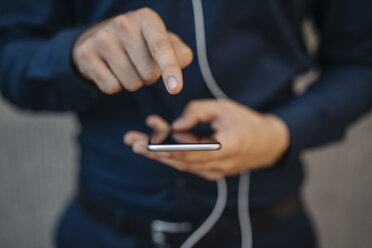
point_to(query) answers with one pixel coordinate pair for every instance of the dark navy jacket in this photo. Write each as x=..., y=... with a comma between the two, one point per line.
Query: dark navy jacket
x=255, y=49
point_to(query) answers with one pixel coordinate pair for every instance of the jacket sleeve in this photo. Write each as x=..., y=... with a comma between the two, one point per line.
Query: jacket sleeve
x=343, y=92
x=36, y=71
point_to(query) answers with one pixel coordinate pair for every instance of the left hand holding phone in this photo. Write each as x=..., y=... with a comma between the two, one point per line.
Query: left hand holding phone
x=250, y=140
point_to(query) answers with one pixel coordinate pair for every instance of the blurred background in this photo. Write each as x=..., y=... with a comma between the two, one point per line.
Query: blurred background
x=38, y=168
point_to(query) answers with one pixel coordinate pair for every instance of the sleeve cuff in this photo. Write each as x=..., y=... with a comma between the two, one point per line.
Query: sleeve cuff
x=303, y=123
x=322, y=114
x=55, y=66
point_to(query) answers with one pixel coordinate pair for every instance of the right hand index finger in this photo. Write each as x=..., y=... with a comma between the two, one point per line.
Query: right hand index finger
x=161, y=48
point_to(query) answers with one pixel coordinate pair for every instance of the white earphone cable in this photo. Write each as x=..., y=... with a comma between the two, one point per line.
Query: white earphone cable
x=243, y=192
x=199, y=233
x=243, y=210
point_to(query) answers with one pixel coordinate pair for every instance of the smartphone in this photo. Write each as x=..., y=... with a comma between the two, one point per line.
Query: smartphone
x=182, y=141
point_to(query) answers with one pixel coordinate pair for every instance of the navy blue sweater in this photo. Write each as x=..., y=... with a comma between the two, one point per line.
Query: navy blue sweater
x=255, y=49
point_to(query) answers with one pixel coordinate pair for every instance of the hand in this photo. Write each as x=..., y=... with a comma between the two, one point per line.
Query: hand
x=131, y=50
x=250, y=140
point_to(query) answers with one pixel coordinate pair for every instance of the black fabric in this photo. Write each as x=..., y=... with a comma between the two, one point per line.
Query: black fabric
x=77, y=229
x=122, y=222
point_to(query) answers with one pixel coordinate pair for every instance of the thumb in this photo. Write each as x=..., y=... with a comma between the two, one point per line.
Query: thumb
x=199, y=111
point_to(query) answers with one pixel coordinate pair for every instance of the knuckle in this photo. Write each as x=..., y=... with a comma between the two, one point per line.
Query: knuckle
x=98, y=78
x=122, y=22
x=111, y=88
x=132, y=87
x=160, y=46
x=83, y=70
x=150, y=75
x=103, y=38
x=146, y=11
x=83, y=52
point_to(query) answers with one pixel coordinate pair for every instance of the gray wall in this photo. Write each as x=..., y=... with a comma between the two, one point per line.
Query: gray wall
x=38, y=170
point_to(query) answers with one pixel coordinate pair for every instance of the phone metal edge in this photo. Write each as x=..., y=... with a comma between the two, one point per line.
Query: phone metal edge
x=183, y=147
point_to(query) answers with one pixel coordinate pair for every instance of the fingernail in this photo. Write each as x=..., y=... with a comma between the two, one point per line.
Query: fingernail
x=172, y=83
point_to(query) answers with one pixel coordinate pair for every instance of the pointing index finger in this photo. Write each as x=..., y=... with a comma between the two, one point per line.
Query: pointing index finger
x=161, y=48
